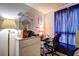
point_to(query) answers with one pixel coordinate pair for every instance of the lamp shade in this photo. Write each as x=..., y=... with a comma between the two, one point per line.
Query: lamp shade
x=8, y=24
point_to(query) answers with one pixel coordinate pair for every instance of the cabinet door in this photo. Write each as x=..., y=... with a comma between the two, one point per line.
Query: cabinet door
x=12, y=43
x=33, y=50
x=3, y=43
x=30, y=47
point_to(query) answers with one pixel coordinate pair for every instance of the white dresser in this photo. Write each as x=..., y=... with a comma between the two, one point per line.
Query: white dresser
x=28, y=46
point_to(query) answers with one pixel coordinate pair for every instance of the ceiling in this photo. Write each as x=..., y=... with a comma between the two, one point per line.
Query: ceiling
x=11, y=10
x=46, y=7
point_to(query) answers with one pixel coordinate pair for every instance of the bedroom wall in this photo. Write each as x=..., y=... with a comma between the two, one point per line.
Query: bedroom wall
x=35, y=16
x=49, y=23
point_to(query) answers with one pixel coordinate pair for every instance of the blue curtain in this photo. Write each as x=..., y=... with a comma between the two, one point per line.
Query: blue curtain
x=67, y=23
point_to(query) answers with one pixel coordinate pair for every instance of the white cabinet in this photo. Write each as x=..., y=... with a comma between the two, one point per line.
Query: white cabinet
x=3, y=43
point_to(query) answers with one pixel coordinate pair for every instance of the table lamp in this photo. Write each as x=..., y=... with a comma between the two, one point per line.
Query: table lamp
x=8, y=24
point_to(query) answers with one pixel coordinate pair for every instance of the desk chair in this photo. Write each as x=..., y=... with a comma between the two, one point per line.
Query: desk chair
x=51, y=49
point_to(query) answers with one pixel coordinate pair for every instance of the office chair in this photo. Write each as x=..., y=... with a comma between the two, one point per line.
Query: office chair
x=51, y=49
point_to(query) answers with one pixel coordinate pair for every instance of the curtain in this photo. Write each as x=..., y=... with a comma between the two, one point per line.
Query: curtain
x=67, y=23
x=60, y=18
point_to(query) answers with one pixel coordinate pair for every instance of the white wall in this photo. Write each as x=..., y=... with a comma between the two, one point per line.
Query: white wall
x=49, y=23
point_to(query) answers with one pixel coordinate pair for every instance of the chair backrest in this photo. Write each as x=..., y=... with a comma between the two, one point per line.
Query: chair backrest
x=56, y=40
